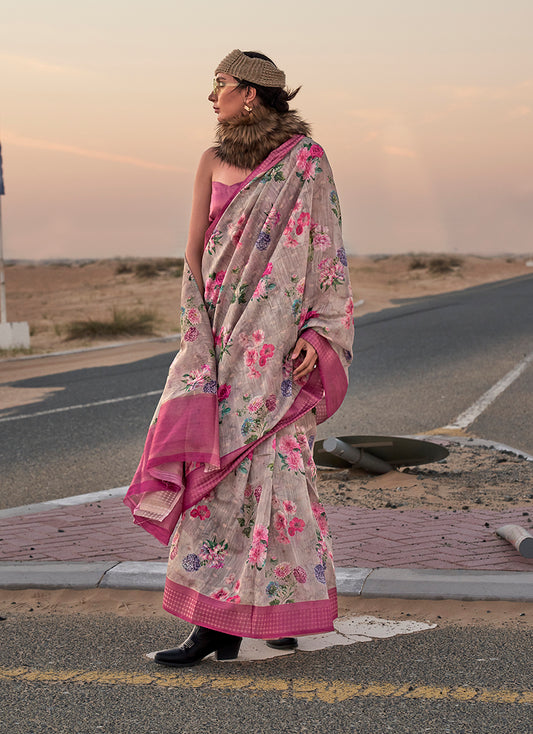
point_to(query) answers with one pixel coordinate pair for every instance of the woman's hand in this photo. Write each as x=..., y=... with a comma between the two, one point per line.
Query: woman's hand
x=309, y=361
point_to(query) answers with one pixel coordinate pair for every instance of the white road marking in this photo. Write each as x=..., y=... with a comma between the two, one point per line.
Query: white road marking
x=79, y=407
x=474, y=411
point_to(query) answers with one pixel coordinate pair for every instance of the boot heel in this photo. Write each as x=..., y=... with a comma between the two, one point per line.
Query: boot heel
x=229, y=649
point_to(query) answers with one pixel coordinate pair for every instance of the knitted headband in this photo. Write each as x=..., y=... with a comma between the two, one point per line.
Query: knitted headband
x=257, y=71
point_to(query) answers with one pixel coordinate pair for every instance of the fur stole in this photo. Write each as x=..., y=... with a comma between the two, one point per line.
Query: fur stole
x=246, y=142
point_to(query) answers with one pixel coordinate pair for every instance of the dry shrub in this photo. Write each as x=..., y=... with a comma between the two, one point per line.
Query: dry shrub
x=444, y=264
x=146, y=269
x=123, y=267
x=416, y=263
x=121, y=323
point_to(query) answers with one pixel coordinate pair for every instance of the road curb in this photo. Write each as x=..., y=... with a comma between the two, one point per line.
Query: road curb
x=400, y=583
x=82, y=350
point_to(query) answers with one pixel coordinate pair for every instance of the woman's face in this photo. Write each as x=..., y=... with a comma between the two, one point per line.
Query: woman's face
x=228, y=101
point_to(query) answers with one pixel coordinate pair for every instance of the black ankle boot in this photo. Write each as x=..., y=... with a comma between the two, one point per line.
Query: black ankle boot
x=201, y=642
x=283, y=643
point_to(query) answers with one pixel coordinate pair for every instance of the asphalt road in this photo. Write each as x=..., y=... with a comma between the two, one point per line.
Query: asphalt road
x=88, y=674
x=418, y=366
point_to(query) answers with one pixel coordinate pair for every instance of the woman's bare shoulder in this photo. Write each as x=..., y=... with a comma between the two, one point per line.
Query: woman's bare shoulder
x=207, y=161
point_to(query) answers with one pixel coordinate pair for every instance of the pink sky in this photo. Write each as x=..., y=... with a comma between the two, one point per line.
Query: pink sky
x=425, y=110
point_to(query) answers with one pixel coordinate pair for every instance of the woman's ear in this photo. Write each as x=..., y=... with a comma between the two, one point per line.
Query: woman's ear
x=251, y=94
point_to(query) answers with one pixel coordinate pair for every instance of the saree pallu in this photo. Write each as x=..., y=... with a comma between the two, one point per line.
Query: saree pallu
x=228, y=461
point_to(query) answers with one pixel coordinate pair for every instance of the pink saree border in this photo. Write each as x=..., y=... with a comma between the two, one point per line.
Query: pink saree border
x=246, y=620
x=325, y=390
x=262, y=168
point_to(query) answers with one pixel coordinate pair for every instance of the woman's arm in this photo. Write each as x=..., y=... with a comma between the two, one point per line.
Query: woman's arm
x=201, y=200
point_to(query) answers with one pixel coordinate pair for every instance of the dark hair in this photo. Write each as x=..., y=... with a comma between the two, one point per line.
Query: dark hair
x=275, y=97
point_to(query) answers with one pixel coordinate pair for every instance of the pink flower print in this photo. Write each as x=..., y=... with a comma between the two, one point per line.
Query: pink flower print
x=221, y=594
x=302, y=440
x=273, y=218
x=321, y=241
x=267, y=352
x=270, y=403
x=260, y=533
x=306, y=316
x=309, y=170
x=257, y=554
x=258, y=335
x=260, y=290
x=280, y=521
x=254, y=373
x=289, y=507
x=287, y=444
x=193, y=316
x=255, y=404
x=294, y=461
x=173, y=552
x=283, y=539
x=248, y=491
x=268, y=270
x=274, y=443
x=299, y=574
x=202, y=512
x=236, y=599
x=348, y=308
x=290, y=241
x=224, y=391
x=300, y=286
x=322, y=524
x=282, y=570
x=316, y=151
x=229, y=580
x=237, y=586
x=257, y=492
x=197, y=377
x=220, y=277
x=210, y=293
x=316, y=509
x=304, y=219
x=296, y=525
x=331, y=272
x=244, y=340
x=289, y=227
x=192, y=334
x=301, y=159
x=251, y=357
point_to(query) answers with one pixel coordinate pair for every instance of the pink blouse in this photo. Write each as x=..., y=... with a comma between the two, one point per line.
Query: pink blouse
x=221, y=193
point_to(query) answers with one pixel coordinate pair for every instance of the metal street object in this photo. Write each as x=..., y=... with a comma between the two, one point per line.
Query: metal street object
x=380, y=453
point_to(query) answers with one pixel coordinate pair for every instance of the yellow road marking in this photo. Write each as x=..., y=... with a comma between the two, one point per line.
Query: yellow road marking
x=301, y=688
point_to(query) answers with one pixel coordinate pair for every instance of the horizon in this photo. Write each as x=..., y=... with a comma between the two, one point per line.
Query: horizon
x=425, y=113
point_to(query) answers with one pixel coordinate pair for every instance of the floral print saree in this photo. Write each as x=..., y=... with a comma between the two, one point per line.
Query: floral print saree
x=227, y=468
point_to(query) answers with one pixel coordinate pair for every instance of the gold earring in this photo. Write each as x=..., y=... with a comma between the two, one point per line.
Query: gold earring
x=248, y=109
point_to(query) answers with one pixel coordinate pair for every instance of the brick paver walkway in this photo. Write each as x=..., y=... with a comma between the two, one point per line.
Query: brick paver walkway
x=392, y=538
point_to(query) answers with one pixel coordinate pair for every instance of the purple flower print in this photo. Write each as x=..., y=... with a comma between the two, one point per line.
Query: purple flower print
x=341, y=254
x=320, y=573
x=286, y=388
x=263, y=241
x=191, y=562
x=210, y=386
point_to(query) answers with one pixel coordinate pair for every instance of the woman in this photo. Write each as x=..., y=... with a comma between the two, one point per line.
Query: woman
x=228, y=458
